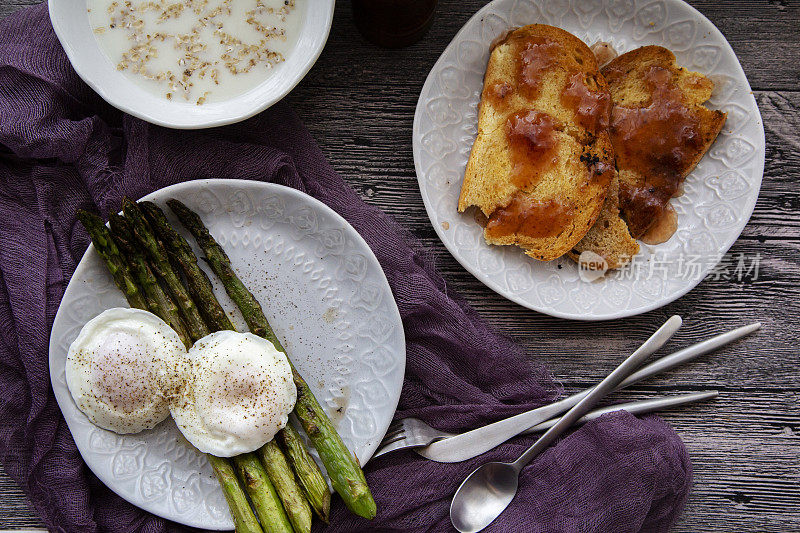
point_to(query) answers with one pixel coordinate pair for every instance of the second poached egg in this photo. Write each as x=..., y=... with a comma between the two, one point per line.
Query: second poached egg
x=235, y=394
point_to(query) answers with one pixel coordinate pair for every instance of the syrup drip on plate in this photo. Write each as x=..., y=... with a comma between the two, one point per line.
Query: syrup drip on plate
x=663, y=228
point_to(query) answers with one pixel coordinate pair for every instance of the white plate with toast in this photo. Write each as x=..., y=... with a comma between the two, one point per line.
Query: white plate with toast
x=718, y=195
x=325, y=295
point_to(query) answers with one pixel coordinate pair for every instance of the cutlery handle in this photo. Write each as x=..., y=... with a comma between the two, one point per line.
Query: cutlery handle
x=687, y=354
x=604, y=387
x=663, y=364
x=477, y=441
x=634, y=408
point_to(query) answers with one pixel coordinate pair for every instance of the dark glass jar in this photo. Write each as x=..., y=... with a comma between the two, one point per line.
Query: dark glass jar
x=393, y=23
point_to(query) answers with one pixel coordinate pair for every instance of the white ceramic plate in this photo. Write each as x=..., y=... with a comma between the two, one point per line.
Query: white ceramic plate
x=325, y=295
x=71, y=24
x=720, y=193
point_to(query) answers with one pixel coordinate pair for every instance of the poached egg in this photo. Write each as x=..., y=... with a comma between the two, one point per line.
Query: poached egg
x=236, y=392
x=119, y=369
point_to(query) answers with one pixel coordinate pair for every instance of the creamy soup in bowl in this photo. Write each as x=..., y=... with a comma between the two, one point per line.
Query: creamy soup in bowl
x=192, y=63
x=196, y=51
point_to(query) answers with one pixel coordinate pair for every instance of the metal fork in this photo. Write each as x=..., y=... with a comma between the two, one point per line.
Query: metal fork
x=414, y=433
x=409, y=433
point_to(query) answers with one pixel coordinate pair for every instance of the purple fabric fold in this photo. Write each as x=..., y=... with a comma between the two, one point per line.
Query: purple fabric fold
x=62, y=148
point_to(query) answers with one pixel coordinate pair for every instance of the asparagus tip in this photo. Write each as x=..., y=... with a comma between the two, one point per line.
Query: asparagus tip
x=325, y=512
x=87, y=217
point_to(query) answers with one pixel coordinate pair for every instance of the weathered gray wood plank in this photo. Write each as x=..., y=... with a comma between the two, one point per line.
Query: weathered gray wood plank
x=8, y=7
x=744, y=453
x=752, y=27
x=15, y=510
x=581, y=353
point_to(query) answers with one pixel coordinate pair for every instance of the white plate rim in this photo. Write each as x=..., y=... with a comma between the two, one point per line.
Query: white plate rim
x=63, y=395
x=623, y=313
x=86, y=72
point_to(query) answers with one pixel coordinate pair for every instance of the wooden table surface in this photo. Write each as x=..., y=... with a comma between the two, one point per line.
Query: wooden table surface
x=359, y=102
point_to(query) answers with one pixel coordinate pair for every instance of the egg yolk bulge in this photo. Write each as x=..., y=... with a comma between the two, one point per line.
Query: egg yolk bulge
x=236, y=393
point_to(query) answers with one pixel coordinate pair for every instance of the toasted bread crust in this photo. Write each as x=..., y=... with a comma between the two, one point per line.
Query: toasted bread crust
x=579, y=167
x=609, y=237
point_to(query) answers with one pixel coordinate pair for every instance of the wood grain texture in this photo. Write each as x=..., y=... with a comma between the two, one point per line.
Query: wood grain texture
x=745, y=445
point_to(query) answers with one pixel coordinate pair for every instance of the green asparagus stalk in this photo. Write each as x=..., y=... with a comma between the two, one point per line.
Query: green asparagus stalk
x=343, y=468
x=243, y=517
x=197, y=282
x=346, y=475
x=275, y=464
x=282, y=477
x=159, y=302
x=262, y=494
x=314, y=485
x=159, y=263
x=108, y=251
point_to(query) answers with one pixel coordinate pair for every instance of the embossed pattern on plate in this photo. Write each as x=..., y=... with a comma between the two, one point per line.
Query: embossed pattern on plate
x=720, y=193
x=323, y=292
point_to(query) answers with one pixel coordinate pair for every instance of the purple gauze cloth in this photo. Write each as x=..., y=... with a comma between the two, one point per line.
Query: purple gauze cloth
x=62, y=148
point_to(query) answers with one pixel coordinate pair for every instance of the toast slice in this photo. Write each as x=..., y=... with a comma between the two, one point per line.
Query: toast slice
x=542, y=161
x=660, y=130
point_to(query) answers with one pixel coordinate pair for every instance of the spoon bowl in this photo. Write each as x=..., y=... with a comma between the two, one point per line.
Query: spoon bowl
x=483, y=496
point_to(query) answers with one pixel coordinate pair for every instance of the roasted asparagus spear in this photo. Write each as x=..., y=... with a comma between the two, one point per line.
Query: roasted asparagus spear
x=258, y=492
x=346, y=475
x=308, y=473
x=158, y=301
x=243, y=516
x=277, y=467
x=117, y=266
x=159, y=263
x=262, y=494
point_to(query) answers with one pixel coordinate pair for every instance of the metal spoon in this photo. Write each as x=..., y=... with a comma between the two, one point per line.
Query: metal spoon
x=489, y=489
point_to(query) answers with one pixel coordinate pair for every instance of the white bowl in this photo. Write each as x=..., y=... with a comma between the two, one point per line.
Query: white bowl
x=71, y=23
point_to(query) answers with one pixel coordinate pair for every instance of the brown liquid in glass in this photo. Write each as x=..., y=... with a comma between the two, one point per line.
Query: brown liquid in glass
x=393, y=23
